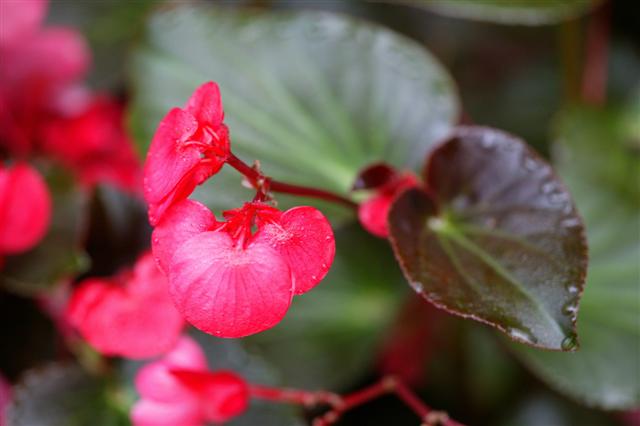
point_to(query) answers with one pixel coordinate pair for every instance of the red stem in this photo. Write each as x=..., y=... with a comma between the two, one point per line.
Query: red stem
x=594, y=79
x=341, y=404
x=259, y=181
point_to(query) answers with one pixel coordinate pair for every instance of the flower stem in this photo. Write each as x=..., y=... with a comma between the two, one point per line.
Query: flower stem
x=261, y=182
x=341, y=404
x=594, y=79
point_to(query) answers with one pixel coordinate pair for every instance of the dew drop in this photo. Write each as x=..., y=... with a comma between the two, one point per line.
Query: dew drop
x=488, y=142
x=417, y=286
x=521, y=335
x=572, y=289
x=548, y=187
x=570, y=308
x=314, y=278
x=328, y=238
x=570, y=342
x=156, y=240
x=530, y=164
x=570, y=222
x=323, y=266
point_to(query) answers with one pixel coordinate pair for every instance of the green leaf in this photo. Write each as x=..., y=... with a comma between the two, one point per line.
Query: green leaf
x=59, y=255
x=64, y=395
x=498, y=240
x=515, y=12
x=327, y=339
x=313, y=96
x=599, y=158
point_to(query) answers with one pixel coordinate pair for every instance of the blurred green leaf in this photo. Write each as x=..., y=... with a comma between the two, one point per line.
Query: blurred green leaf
x=514, y=12
x=59, y=255
x=598, y=156
x=313, y=96
x=329, y=337
x=487, y=240
x=64, y=395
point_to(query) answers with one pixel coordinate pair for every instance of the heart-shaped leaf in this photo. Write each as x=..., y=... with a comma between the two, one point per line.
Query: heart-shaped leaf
x=518, y=12
x=496, y=238
x=313, y=96
x=59, y=254
x=600, y=161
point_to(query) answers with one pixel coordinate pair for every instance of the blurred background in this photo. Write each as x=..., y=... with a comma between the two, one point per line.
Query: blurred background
x=513, y=65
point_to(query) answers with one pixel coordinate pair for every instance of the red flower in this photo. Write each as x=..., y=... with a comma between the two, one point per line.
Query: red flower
x=25, y=208
x=190, y=145
x=374, y=211
x=130, y=315
x=95, y=144
x=39, y=67
x=179, y=390
x=230, y=282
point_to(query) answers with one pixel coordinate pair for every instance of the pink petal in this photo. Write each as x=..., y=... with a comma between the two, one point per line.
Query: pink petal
x=152, y=413
x=137, y=320
x=25, y=208
x=172, y=170
x=225, y=395
x=304, y=238
x=20, y=19
x=206, y=105
x=373, y=214
x=186, y=354
x=155, y=381
x=180, y=222
x=229, y=291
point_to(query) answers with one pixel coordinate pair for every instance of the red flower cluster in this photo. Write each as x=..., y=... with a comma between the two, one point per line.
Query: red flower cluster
x=46, y=109
x=180, y=390
x=25, y=208
x=130, y=315
x=236, y=277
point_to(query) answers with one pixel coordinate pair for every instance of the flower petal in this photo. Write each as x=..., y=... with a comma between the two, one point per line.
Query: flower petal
x=229, y=291
x=206, y=105
x=304, y=238
x=152, y=413
x=180, y=222
x=25, y=208
x=20, y=19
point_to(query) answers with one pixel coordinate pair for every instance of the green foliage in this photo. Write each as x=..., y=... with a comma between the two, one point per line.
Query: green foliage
x=497, y=239
x=514, y=12
x=599, y=159
x=313, y=96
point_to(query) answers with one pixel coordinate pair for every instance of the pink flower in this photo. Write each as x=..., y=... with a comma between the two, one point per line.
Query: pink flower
x=180, y=390
x=387, y=184
x=129, y=315
x=232, y=282
x=38, y=68
x=190, y=145
x=95, y=144
x=25, y=208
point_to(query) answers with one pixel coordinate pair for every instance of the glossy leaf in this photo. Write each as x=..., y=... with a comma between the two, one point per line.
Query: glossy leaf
x=515, y=12
x=59, y=254
x=498, y=240
x=313, y=96
x=598, y=156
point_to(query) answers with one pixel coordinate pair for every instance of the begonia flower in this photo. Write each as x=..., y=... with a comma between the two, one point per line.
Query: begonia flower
x=387, y=184
x=39, y=67
x=95, y=145
x=189, y=146
x=129, y=315
x=232, y=282
x=25, y=208
x=180, y=390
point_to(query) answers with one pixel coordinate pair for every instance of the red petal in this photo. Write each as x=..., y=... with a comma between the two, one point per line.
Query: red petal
x=304, y=238
x=206, y=105
x=225, y=395
x=180, y=222
x=172, y=170
x=228, y=291
x=136, y=321
x=152, y=413
x=373, y=214
x=25, y=208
